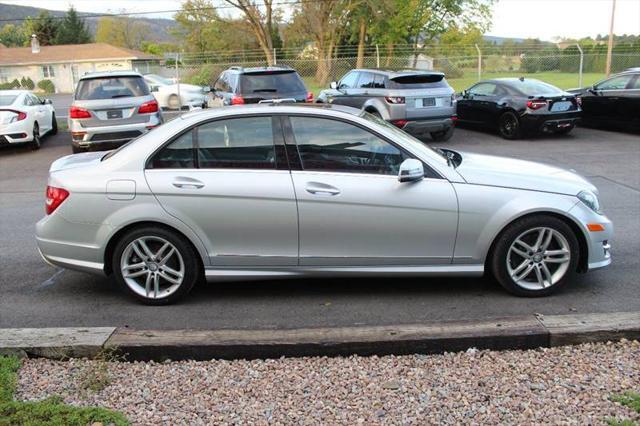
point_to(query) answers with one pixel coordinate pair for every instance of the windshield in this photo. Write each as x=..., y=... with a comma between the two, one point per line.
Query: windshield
x=535, y=87
x=159, y=80
x=111, y=87
x=286, y=82
x=415, y=143
x=7, y=99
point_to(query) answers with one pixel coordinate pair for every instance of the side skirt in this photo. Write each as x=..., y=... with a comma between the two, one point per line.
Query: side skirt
x=231, y=274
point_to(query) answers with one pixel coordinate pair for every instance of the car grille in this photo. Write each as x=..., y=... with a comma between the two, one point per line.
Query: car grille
x=115, y=135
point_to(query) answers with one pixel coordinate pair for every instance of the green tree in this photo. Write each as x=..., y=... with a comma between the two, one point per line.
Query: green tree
x=13, y=36
x=72, y=29
x=44, y=26
x=122, y=32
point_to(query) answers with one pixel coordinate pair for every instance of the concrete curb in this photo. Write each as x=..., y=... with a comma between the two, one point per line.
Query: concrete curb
x=525, y=332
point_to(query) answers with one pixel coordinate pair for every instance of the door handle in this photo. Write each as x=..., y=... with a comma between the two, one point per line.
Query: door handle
x=317, y=188
x=187, y=183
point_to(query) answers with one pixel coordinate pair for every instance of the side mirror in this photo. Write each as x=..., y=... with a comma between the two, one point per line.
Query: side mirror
x=333, y=85
x=153, y=88
x=411, y=170
x=47, y=102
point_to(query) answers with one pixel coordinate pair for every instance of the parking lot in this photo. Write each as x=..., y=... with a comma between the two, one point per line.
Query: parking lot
x=37, y=295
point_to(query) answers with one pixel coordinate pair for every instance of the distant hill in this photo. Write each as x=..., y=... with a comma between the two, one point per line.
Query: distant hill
x=500, y=40
x=159, y=29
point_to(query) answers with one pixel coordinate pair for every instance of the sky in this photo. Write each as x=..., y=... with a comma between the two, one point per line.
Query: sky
x=543, y=19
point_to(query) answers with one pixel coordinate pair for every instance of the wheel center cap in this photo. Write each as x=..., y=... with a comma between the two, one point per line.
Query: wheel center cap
x=537, y=258
x=152, y=267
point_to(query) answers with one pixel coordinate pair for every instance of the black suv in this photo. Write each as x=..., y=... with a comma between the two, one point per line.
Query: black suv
x=238, y=86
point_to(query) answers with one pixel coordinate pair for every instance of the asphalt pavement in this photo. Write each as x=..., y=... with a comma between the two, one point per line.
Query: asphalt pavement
x=33, y=294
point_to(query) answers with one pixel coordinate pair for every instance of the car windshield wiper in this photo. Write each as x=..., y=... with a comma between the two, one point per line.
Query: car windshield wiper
x=120, y=96
x=265, y=90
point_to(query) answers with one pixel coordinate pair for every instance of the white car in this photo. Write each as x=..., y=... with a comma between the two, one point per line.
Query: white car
x=25, y=118
x=166, y=91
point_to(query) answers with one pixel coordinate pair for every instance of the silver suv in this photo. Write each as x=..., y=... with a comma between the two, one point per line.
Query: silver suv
x=418, y=102
x=111, y=108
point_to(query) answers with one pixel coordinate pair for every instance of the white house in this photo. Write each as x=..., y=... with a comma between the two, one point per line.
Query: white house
x=64, y=64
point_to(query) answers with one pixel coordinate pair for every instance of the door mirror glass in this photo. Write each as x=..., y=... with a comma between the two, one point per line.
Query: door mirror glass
x=411, y=170
x=333, y=85
x=47, y=102
x=464, y=93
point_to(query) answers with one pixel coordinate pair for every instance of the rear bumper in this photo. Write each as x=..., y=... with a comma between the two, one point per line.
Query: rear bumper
x=422, y=127
x=15, y=133
x=85, y=137
x=549, y=122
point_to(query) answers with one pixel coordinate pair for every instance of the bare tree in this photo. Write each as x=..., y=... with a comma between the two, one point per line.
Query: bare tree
x=261, y=23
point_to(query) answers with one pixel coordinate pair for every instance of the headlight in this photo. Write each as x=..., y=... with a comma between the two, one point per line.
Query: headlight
x=590, y=200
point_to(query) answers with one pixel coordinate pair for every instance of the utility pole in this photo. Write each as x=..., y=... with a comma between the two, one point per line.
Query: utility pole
x=610, y=46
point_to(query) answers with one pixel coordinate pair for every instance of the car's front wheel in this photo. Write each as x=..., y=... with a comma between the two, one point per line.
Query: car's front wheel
x=155, y=265
x=535, y=256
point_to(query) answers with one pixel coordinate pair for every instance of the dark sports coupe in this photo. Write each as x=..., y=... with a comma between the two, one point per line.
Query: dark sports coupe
x=515, y=106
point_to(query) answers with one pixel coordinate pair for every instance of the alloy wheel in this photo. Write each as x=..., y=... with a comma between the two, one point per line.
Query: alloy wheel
x=152, y=267
x=509, y=125
x=538, y=258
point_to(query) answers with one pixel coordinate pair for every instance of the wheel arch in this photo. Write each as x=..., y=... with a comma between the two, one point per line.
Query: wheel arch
x=113, y=241
x=583, y=247
x=375, y=106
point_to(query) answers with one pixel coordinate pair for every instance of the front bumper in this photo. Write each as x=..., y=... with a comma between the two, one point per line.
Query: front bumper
x=598, y=242
x=423, y=127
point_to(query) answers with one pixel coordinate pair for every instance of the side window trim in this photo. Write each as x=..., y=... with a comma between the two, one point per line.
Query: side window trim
x=295, y=160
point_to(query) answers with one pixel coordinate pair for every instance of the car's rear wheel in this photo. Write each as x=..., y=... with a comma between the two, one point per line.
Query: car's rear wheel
x=442, y=136
x=35, y=143
x=509, y=125
x=535, y=256
x=173, y=102
x=155, y=265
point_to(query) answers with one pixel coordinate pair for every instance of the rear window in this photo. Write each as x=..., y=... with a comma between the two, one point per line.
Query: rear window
x=278, y=82
x=111, y=87
x=7, y=99
x=534, y=87
x=418, y=81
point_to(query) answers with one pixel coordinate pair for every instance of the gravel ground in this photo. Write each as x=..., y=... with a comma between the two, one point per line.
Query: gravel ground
x=567, y=385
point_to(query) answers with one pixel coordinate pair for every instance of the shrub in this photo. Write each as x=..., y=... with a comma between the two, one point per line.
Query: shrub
x=27, y=83
x=15, y=84
x=46, y=86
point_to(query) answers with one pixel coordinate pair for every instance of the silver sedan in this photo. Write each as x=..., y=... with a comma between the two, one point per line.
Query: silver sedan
x=279, y=191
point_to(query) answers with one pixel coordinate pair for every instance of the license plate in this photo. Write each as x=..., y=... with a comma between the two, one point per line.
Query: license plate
x=561, y=106
x=425, y=102
x=114, y=113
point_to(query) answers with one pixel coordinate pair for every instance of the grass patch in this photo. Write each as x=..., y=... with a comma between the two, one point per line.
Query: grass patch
x=628, y=399
x=51, y=411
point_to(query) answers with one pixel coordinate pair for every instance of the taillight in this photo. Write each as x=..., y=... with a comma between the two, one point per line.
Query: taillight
x=148, y=107
x=536, y=104
x=237, y=100
x=19, y=115
x=55, y=197
x=399, y=123
x=454, y=119
x=394, y=99
x=309, y=97
x=76, y=112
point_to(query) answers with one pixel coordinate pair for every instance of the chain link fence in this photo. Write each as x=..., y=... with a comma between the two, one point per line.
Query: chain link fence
x=566, y=69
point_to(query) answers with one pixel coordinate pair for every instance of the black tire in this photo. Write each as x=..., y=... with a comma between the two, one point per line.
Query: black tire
x=54, y=125
x=442, y=136
x=35, y=143
x=193, y=270
x=498, y=262
x=509, y=126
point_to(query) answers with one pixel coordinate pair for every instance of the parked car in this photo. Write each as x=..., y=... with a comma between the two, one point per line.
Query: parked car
x=171, y=95
x=111, y=108
x=613, y=102
x=419, y=102
x=291, y=191
x=25, y=118
x=239, y=86
x=515, y=106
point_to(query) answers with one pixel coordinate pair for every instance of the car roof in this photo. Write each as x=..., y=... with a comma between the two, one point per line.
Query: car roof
x=98, y=74
x=270, y=108
x=242, y=70
x=398, y=73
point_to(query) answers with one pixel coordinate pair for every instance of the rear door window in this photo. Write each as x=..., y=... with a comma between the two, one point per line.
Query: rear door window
x=366, y=80
x=111, y=88
x=378, y=81
x=271, y=82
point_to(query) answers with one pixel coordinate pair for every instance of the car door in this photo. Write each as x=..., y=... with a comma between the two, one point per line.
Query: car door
x=631, y=104
x=362, y=92
x=228, y=179
x=480, y=103
x=352, y=209
x=344, y=92
x=38, y=111
x=604, y=97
